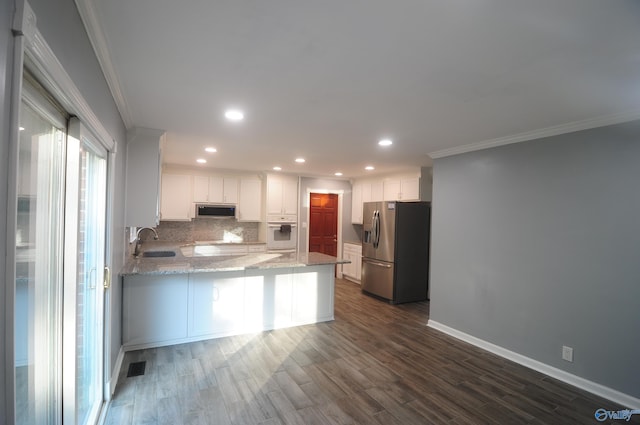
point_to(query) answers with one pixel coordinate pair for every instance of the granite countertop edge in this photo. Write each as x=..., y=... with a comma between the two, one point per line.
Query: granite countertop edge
x=225, y=263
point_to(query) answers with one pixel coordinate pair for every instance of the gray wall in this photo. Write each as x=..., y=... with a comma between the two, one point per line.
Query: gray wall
x=6, y=41
x=536, y=245
x=348, y=230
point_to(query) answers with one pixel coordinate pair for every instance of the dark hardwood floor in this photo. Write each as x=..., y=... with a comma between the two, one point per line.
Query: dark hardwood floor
x=375, y=364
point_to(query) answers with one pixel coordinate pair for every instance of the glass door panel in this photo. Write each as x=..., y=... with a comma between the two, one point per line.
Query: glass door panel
x=39, y=239
x=90, y=289
x=83, y=288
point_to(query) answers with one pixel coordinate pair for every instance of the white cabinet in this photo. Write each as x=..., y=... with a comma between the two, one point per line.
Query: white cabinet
x=170, y=309
x=402, y=189
x=176, y=197
x=353, y=253
x=268, y=299
x=282, y=198
x=250, y=200
x=216, y=189
x=364, y=191
x=313, y=294
x=356, y=203
x=216, y=303
x=143, y=177
x=154, y=308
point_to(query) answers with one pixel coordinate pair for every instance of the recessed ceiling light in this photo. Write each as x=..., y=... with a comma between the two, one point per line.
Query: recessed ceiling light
x=201, y=161
x=299, y=160
x=21, y=128
x=369, y=167
x=234, y=115
x=385, y=142
x=277, y=168
x=211, y=150
x=338, y=173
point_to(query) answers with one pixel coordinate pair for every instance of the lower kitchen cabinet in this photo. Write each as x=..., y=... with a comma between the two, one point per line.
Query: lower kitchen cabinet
x=312, y=297
x=216, y=303
x=170, y=309
x=154, y=308
x=353, y=253
x=268, y=299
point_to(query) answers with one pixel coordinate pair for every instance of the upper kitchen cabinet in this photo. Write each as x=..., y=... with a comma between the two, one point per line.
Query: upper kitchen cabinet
x=144, y=147
x=176, y=197
x=364, y=191
x=401, y=189
x=250, y=201
x=215, y=189
x=282, y=198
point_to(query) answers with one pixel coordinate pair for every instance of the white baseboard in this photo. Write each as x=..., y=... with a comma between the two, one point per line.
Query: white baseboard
x=625, y=400
x=113, y=380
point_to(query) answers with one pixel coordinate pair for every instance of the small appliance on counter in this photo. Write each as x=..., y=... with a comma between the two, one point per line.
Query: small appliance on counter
x=395, y=250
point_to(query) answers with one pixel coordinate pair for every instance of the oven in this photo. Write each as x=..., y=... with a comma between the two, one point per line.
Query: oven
x=282, y=237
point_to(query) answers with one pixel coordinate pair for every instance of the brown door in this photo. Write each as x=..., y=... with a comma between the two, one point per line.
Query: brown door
x=323, y=223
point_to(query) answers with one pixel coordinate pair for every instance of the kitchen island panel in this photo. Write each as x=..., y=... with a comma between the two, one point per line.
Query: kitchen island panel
x=154, y=309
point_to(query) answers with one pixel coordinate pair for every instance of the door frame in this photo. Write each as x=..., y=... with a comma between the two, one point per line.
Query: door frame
x=307, y=203
x=31, y=49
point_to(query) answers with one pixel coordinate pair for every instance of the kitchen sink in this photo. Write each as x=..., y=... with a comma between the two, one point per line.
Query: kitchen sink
x=159, y=254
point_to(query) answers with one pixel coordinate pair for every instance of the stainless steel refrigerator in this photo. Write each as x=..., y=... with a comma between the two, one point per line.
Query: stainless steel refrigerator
x=395, y=250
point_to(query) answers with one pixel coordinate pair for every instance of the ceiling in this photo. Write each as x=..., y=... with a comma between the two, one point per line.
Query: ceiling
x=325, y=80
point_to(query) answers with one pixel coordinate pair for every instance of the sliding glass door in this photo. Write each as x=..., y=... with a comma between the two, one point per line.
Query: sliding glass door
x=83, y=286
x=60, y=266
x=39, y=263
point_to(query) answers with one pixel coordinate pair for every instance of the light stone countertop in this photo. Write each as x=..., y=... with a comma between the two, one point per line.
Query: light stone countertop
x=201, y=264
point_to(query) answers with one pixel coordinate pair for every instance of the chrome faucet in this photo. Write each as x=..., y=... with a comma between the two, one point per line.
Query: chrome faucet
x=136, y=249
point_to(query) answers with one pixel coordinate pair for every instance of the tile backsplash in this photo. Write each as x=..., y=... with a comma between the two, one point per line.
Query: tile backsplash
x=205, y=229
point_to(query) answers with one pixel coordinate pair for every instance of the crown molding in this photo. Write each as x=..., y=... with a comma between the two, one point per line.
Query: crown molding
x=98, y=40
x=541, y=133
x=54, y=77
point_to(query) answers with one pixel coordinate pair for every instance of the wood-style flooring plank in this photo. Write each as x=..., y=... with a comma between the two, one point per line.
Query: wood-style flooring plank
x=375, y=363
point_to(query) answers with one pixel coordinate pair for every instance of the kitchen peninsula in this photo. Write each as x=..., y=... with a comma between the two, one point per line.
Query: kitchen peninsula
x=188, y=297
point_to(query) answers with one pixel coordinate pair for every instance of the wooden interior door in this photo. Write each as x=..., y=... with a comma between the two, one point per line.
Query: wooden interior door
x=323, y=223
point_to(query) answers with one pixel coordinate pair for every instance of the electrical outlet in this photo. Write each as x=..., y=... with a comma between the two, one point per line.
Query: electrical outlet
x=567, y=353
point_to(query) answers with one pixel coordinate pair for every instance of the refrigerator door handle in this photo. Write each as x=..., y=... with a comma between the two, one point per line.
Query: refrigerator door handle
x=377, y=213
x=373, y=229
x=375, y=263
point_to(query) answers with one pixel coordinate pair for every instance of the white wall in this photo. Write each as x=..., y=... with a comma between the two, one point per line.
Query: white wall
x=536, y=245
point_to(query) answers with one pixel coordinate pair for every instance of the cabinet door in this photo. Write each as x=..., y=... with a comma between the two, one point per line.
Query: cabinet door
x=268, y=300
x=154, y=308
x=377, y=192
x=348, y=269
x=275, y=192
x=143, y=191
x=313, y=294
x=216, y=189
x=410, y=189
x=391, y=190
x=356, y=203
x=176, y=197
x=216, y=303
x=358, y=263
x=290, y=196
x=230, y=190
x=250, y=200
x=200, y=189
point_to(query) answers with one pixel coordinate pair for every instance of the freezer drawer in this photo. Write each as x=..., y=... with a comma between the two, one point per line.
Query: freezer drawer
x=377, y=278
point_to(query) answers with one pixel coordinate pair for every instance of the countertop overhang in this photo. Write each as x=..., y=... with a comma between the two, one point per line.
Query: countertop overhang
x=181, y=264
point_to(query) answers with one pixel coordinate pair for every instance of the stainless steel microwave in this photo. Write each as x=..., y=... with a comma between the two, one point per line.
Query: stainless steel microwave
x=215, y=211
